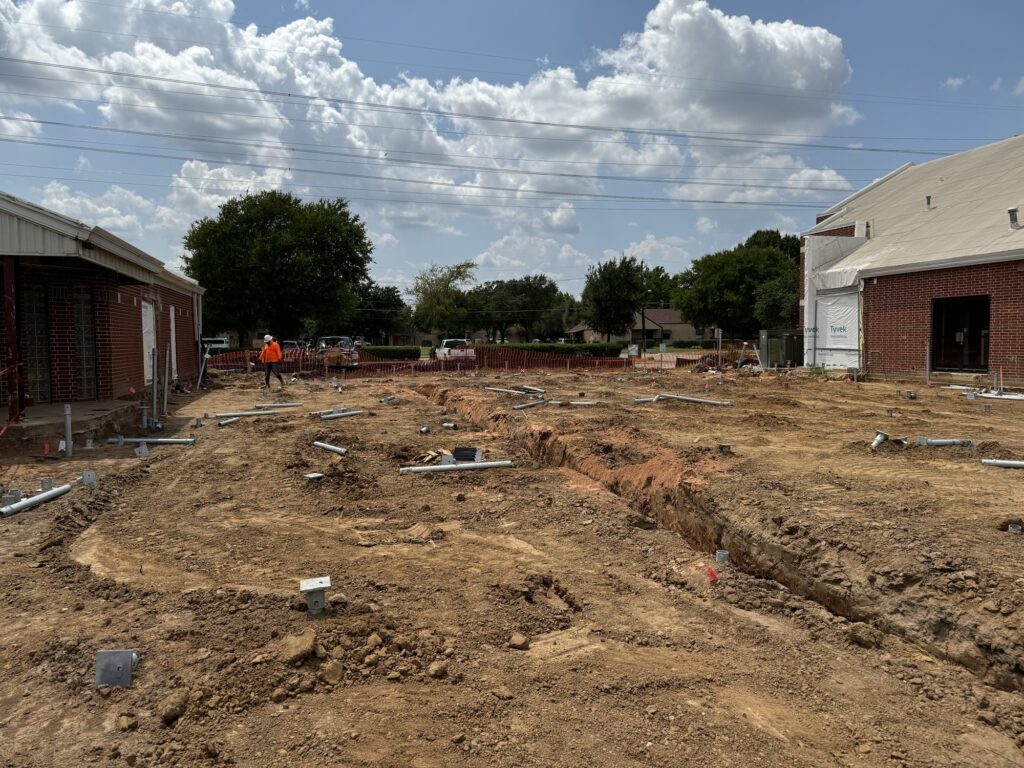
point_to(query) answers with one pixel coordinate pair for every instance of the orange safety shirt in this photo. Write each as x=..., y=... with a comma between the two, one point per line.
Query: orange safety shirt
x=271, y=352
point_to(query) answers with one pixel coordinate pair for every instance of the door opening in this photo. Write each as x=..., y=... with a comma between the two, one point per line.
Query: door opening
x=960, y=329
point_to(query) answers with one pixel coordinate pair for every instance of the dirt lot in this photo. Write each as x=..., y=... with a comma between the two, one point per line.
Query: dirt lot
x=870, y=615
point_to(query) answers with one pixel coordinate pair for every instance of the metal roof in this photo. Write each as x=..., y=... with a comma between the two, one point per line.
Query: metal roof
x=27, y=229
x=966, y=222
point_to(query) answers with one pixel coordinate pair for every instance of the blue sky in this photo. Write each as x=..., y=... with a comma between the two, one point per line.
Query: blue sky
x=662, y=129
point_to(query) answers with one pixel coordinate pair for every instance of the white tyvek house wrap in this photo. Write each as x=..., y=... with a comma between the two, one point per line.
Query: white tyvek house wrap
x=822, y=312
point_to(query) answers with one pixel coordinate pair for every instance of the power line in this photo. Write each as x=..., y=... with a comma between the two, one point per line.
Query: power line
x=362, y=160
x=553, y=193
x=795, y=91
x=425, y=112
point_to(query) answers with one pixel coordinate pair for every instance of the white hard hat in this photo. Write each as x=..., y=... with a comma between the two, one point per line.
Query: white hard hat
x=267, y=338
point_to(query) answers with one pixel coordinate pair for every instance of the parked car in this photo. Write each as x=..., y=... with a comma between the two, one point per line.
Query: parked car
x=337, y=351
x=456, y=349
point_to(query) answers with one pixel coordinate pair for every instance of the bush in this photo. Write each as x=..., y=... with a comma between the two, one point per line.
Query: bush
x=392, y=353
x=603, y=349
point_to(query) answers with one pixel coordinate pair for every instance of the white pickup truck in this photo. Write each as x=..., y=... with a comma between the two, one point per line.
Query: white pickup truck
x=454, y=349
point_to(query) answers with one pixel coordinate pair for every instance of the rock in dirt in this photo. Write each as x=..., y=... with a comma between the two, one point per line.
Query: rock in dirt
x=278, y=695
x=865, y=635
x=642, y=521
x=519, y=641
x=503, y=693
x=173, y=706
x=331, y=672
x=438, y=669
x=294, y=648
x=127, y=723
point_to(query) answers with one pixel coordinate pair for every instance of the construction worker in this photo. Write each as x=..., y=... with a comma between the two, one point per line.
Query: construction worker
x=270, y=356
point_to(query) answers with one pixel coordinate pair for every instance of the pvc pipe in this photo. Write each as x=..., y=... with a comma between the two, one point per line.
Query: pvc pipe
x=1005, y=463
x=532, y=404
x=154, y=383
x=455, y=467
x=583, y=402
x=225, y=422
x=537, y=390
x=688, y=399
x=266, y=406
x=34, y=501
x=645, y=399
x=331, y=448
x=167, y=375
x=880, y=438
x=505, y=391
x=942, y=442
x=245, y=413
x=67, y=430
x=339, y=415
x=449, y=425
x=152, y=440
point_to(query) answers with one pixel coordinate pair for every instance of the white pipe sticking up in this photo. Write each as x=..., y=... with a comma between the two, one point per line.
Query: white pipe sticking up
x=454, y=467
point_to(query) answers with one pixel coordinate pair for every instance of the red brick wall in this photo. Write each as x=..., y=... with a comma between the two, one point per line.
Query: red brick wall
x=184, y=330
x=898, y=316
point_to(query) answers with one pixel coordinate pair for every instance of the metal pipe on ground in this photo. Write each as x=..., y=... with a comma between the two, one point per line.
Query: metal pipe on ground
x=645, y=399
x=532, y=404
x=119, y=440
x=1004, y=463
x=34, y=501
x=245, y=413
x=225, y=422
x=941, y=442
x=269, y=406
x=67, y=430
x=583, y=402
x=880, y=438
x=536, y=390
x=505, y=391
x=688, y=399
x=326, y=416
x=454, y=467
x=331, y=448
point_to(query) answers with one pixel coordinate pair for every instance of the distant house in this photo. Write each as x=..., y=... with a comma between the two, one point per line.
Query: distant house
x=84, y=309
x=922, y=270
x=660, y=325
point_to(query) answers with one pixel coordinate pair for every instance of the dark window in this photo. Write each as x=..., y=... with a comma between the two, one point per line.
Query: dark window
x=35, y=341
x=85, y=343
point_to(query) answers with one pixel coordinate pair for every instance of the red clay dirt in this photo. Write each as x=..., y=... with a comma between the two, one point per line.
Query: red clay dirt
x=869, y=616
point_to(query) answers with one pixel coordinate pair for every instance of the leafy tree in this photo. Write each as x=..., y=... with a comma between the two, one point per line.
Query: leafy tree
x=740, y=290
x=660, y=286
x=272, y=262
x=772, y=238
x=441, y=301
x=614, y=291
x=381, y=311
x=531, y=298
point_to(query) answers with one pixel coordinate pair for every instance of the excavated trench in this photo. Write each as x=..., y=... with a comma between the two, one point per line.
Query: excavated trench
x=669, y=490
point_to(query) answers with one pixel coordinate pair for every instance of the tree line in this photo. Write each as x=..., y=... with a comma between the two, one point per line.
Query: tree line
x=270, y=261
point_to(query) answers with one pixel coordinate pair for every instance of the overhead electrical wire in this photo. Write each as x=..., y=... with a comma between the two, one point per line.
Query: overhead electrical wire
x=453, y=115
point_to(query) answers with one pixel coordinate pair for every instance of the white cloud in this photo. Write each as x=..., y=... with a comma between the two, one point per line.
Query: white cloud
x=14, y=123
x=953, y=83
x=667, y=252
x=562, y=220
x=118, y=210
x=382, y=239
x=706, y=224
x=741, y=76
x=514, y=254
x=997, y=84
x=1019, y=88
x=82, y=163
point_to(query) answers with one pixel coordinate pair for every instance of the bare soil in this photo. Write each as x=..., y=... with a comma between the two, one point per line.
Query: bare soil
x=558, y=613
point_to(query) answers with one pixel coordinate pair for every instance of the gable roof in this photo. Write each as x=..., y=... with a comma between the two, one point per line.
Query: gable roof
x=967, y=222
x=27, y=229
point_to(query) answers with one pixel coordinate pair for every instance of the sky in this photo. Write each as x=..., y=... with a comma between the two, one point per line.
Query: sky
x=532, y=137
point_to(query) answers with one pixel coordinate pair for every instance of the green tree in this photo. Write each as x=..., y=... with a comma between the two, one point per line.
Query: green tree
x=740, y=290
x=531, y=298
x=660, y=286
x=772, y=238
x=614, y=291
x=271, y=262
x=381, y=311
x=442, y=304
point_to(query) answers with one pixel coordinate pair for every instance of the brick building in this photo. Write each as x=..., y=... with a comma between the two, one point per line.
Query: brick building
x=922, y=271
x=82, y=309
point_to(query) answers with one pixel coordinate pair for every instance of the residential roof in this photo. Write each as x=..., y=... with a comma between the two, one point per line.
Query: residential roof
x=652, y=318
x=27, y=229
x=966, y=222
